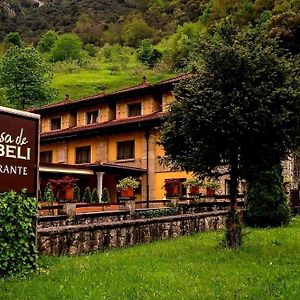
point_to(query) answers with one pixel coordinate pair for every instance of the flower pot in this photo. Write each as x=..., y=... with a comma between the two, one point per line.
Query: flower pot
x=194, y=190
x=128, y=193
x=172, y=189
x=69, y=209
x=130, y=205
x=210, y=192
x=69, y=193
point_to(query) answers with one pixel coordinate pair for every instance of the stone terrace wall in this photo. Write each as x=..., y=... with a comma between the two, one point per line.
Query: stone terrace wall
x=74, y=239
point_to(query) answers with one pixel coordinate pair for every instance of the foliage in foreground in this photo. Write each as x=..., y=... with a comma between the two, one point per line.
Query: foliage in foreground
x=17, y=236
x=239, y=115
x=265, y=268
x=25, y=77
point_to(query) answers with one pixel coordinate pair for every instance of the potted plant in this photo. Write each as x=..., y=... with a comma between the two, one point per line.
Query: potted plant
x=126, y=187
x=171, y=187
x=211, y=187
x=194, y=185
x=63, y=187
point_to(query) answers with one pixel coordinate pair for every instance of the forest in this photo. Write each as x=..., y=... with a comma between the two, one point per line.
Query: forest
x=99, y=46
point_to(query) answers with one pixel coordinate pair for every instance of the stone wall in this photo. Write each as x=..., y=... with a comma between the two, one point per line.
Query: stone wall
x=114, y=216
x=75, y=239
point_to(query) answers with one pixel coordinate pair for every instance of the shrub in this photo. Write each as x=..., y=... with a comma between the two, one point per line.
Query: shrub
x=48, y=194
x=127, y=182
x=13, y=39
x=91, y=49
x=266, y=201
x=76, y=194
x=87, y=195
x=194, y=182
x=105, y=196
x=17, y=238
x=95, y=197
x=67, y=46
x=47, y=41
x=147, y=54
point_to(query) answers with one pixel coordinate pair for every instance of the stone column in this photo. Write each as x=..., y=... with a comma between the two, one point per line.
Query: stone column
x=99, y=184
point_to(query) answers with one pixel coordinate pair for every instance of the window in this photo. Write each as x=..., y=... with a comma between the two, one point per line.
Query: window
x=55, y=123
x=83, y=155
x=73, y=118
x=46, y=157
x=92, y=117
x=134, y=109
x=158, y=97
x=61, y=155
x=125, y=150
x=175, y=188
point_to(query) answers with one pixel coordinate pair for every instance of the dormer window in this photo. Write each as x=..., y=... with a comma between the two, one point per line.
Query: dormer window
x=134, y=109
x=55, y=123
x=92, y=117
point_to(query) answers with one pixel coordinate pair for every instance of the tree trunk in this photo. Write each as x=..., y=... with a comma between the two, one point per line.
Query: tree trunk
x=233, y=222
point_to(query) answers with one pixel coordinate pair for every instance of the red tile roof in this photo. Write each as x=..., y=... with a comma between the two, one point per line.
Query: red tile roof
x=95, y=126
x=91, y=165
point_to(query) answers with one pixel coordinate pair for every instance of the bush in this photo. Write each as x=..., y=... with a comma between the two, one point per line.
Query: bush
x=105, y=196
x=47, y=41
x=266, y=201
x=68, y=46
x=91, y=49
x=13, y=39
x=76, y=194
x=95, y=197
x=48, y=194
x=87, y=195
x=17, y=238
x=147, y=54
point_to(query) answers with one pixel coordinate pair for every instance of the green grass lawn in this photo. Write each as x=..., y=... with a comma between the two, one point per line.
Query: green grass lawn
x=266, y=267
x=85, y=82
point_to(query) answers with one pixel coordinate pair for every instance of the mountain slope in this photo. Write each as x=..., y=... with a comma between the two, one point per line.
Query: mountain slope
x=33, y=17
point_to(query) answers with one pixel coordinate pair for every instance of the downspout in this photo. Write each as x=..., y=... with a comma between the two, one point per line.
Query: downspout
x=147, y=135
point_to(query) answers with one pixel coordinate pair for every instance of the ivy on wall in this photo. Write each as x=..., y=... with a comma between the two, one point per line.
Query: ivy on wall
x=17, y=233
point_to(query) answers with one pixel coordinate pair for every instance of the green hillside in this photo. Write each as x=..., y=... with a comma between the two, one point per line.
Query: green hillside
x=86, y=81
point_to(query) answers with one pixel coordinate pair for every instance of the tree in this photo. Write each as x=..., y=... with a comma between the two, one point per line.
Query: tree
x=286, y=28
x=238, y=116
x=87, y=195
x=26, y=77
x=76, y=194
x=48, y=194
x=105, y=196
x=135, y=30
x=47, y=41
x=95, y=197
x=147, y=54
x=68, y=46
x=13, y=39
x=178, y=48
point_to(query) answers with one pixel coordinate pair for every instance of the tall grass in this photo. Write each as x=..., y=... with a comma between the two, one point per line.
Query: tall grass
x=266, y=267
x=99, y=76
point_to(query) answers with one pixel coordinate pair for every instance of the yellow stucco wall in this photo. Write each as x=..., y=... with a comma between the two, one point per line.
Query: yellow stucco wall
x=102, y=110
x=160, y=178
x=114, y=139
x=50, y=147
x=46, y=121
x=122, y=106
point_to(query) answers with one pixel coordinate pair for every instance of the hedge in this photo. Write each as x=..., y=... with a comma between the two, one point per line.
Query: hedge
x=17, y=233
